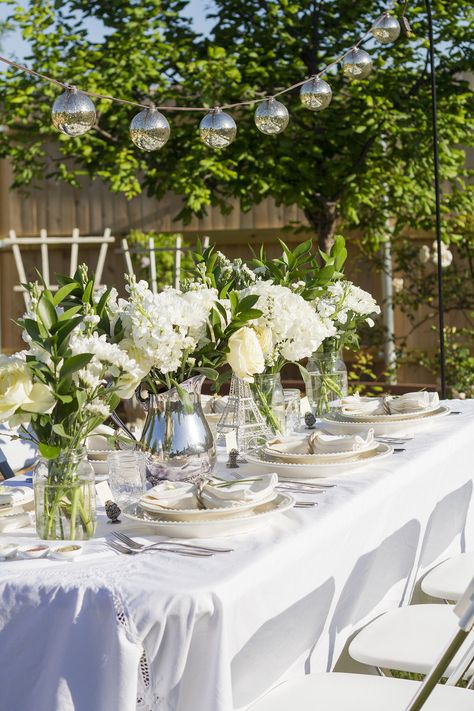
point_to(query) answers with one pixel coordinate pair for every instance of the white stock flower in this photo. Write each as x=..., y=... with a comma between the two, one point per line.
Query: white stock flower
x=245, y=355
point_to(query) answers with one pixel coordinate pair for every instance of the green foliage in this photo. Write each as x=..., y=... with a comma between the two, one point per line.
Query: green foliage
x=365, y=158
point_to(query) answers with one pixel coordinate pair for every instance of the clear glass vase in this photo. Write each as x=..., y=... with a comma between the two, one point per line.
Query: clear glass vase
x=64, y=491
x=268, y=394
x=326, y=381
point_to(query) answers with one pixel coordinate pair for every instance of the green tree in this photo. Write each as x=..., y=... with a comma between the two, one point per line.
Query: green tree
x=366, y=157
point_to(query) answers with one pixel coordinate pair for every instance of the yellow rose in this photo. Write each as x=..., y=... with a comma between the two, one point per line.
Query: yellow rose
x=15, y=385
x=245, y=355
x=40, y=400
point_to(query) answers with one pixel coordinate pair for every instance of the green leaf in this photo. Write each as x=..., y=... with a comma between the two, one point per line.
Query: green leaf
x=48, y=451
x=210, y=373
x=59, y=429
x=63, y=292
x=46, y=311
x=74, y=363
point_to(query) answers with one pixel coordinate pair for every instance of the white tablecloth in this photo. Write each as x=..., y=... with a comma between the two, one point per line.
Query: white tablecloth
x=213, y=634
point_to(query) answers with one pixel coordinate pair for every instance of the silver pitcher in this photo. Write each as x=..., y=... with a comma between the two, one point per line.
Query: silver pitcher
x=176, y=436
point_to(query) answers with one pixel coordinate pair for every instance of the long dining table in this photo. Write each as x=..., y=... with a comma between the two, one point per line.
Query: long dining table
x=162, y=632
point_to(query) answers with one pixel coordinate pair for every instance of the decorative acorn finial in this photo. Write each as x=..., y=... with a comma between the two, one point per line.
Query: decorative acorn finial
x=309, y=419
x=232, y=461
x=113, y=511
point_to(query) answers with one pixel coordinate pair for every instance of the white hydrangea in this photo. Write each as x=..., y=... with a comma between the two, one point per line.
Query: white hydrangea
x=296, y=329
x=164, y=327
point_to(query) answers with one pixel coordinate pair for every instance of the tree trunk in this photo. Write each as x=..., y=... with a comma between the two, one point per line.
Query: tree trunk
x=324, y=221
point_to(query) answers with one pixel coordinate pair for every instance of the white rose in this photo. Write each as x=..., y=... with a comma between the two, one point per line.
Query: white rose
x=424, y=254
x=40, y=400
x=15, y=385
x=264, y=335
x=398, y=284
x=245, y=355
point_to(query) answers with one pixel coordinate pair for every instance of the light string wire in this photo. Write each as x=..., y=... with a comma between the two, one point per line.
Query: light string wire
x=248, y=102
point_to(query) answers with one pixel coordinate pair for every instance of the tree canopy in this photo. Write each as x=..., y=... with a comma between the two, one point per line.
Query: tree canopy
x=366, y=157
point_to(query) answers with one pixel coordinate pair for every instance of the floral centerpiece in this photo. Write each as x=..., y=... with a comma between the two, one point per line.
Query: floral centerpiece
x=66, y=382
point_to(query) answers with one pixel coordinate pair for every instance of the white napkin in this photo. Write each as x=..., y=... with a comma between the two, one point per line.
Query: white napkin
x=214, y=495
x=14, y=521
x=213, y=404
x=11, y=495
x=357, y=405
x=412, y=402
x=172, y=495
x=320, y=443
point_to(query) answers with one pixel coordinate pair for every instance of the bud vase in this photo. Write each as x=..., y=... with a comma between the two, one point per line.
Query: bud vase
x=64, y=490
x=326, y=381
x=268, y=393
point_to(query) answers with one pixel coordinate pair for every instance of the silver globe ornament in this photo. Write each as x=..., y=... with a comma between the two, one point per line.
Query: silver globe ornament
x=149, y=129
x=357, y=64
x=386, y=29
x=73, y=113
x=316, y=94
x=271, y=117
x=217, y=129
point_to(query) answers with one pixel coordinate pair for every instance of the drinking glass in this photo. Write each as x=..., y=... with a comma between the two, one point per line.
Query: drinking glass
x=292, y=397
x=127, y=475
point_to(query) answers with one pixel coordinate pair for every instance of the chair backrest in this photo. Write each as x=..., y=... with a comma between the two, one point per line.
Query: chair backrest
x=5, y=469
x=465, y=611
x=44, y=242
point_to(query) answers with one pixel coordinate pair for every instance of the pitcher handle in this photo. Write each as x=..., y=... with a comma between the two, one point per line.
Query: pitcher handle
x=119, y=422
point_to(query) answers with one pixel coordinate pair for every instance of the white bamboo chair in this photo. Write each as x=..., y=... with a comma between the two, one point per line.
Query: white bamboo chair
x=150, y=251
x=448, y=580
x=360, y=692
x=44, y=242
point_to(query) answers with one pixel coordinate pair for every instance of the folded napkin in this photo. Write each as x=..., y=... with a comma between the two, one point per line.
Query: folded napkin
x=356, y=405
x=412, y=402
x=11, y=495
x=216, y=494
x=14, y=521
x=172, y=495
x=213, y=404
x=320, y=443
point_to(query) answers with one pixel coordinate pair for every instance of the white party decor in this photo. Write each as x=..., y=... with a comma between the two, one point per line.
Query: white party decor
x=271, y=117
x=74, y=113
x=316, y=94
x=217, y=129
x=357, y=64
x=149, y=129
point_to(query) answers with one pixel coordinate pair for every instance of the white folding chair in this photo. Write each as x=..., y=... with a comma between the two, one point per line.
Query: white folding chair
x=406, y=639
x=450, y=578
x=360, y=692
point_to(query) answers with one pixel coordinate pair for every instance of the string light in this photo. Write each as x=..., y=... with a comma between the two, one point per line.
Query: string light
x=73, y=112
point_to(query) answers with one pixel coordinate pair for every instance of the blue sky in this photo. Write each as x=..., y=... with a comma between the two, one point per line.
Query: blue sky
x=14, y=47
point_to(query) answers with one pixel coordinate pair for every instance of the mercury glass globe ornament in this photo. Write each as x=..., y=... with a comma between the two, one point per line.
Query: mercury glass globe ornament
x=271, y=117
x=386, y=29
x=357, y=64
x=316, y=94
x=73, y=113
x=217, y=129
x=149, y=129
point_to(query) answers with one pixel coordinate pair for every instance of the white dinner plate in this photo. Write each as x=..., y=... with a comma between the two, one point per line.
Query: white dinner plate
x=260, y=515
x=314, y=471
x=213, y=514
x=292, y=456
x=334, y=424
x=19, y=505
x=399, y=416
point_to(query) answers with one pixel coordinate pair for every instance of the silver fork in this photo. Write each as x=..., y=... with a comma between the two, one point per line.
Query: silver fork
x=307, y=484
x=192, y=546
x=119, y=548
